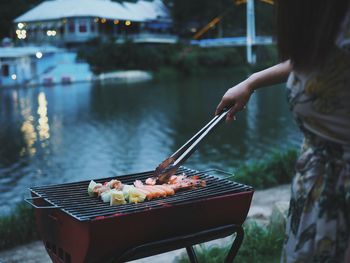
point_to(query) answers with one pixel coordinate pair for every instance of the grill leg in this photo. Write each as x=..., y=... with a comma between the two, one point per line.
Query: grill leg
x=191, y=254
x=235, y=245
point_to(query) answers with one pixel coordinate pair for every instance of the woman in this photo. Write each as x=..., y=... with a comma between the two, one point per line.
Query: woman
x=318, y=73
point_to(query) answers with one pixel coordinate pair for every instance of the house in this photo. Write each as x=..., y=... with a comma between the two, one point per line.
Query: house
x=16, y=66
x=21, y=65
x=28, y=65
x=70, y=22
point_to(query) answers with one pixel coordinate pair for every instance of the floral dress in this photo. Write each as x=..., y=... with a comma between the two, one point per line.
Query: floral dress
x=318, y=225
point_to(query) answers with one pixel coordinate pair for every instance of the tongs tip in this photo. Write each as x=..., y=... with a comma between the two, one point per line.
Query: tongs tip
x=164, y=171
x=168, y=167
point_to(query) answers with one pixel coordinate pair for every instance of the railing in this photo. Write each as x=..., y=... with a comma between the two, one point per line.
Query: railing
x=232, y=41
x=148, y=38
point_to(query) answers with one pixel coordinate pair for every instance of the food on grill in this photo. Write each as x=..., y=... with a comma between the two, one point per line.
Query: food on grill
x=104, y=190
x=178, y=182
x=136, y=196
x=117, y=193
x=132, y=194
x=126, y=189
x=114, y=184
x=151, y=181
x=106, y=196
x=99, y=190
x=117, y=197
x=92, y=186
x=154, y=191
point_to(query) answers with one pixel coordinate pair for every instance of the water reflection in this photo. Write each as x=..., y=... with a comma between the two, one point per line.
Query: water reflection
x=43, y=127
x=27, y=127
x=80, y=132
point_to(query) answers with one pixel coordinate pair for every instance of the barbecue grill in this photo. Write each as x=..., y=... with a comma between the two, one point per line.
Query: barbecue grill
x=77, y=228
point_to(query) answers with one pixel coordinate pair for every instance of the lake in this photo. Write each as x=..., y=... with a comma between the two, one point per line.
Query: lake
x=51, y=135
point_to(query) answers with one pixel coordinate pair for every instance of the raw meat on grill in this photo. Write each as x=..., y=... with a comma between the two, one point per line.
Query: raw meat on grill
x=151, y=181
x=178, y=182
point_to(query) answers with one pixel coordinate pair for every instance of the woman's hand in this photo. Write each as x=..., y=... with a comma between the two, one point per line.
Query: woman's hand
x=236, y=97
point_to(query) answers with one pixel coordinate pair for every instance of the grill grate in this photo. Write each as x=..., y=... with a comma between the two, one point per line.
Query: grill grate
x=72, y=198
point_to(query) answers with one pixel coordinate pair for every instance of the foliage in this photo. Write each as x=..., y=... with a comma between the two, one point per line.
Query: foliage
x=186, y=59
x=110, y=56
x=276, y=169
x=261, y=244
x=207, y=254
x=18, y=228
x=9, y=10
x=198, y=13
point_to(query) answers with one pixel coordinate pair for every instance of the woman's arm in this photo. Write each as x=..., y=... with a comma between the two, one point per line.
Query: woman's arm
x=237, y=96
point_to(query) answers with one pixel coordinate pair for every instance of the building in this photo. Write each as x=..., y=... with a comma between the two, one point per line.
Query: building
x=16, y=67
x=40, y=65
x=70, y=22
x=21, y=65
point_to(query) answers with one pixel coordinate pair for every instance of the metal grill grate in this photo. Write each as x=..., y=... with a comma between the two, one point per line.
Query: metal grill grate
x=72, y=198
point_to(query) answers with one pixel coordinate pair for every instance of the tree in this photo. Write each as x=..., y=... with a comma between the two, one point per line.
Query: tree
x=9, y=10
x=195, y=14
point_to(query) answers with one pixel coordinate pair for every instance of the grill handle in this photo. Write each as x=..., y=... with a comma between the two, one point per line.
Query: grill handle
x=219, y=171
x=30, y=201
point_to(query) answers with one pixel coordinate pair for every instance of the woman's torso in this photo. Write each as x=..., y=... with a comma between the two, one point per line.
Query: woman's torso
x=320, y=101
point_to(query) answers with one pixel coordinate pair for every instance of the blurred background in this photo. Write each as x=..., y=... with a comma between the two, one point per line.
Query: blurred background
x=99, y=88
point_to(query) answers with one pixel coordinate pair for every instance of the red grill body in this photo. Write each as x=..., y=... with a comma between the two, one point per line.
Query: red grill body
x=78, y=228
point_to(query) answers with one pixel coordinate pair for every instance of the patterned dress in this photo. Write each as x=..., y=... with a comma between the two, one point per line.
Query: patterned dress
x=318, y=227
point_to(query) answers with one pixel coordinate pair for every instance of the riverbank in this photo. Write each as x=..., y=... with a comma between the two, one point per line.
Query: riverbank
x=124, y=76
x=263, y=204
x=48, y=65
x=30, y=66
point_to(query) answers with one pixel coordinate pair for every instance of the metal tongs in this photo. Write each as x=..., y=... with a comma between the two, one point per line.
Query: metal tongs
x=170, y=165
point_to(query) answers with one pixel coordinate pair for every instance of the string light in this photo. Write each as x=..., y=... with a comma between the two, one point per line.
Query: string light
x=51, y=33
x=21, y=34
x=39, y=55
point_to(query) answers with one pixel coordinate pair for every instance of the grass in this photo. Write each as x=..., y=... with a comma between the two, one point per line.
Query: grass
x=18, y=227
x=261, y=244
x=276, y=169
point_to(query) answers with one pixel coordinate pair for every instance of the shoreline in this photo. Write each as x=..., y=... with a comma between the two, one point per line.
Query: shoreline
x=118, y=76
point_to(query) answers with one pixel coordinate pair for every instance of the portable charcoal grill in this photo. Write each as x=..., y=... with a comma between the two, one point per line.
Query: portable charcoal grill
x=77, y=228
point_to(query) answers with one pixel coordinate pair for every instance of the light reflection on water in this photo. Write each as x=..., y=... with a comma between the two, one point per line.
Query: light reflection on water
x=80, y=132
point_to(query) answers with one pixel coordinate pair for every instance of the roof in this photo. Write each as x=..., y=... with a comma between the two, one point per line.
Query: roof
x=57, y=9
x=148, y=10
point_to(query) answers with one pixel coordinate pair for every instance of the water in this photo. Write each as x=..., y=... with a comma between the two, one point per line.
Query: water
x=84, y=131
